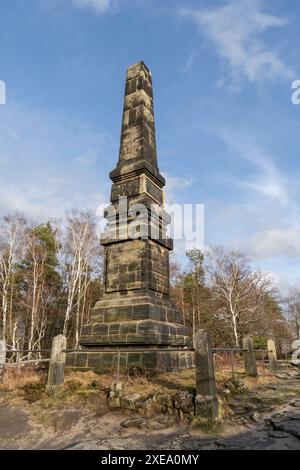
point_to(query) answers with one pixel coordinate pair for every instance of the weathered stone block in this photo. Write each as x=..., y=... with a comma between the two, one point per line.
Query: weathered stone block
x=206, y=407
x=95, y=360
x=134, y=359
x=101, y=329
x=81, y=359
x=184, y=401
x=87, y=329
x=250, y=358
x=128, y=401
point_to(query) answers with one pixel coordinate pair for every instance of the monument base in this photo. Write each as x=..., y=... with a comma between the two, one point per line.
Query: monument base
x=107, y=361
x=144, y=331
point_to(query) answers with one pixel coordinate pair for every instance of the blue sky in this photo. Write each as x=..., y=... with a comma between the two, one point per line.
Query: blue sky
x=227, y=131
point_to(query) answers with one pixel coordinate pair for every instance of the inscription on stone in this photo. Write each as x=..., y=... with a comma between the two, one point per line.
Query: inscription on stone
x=128, y=188
x=154, y=191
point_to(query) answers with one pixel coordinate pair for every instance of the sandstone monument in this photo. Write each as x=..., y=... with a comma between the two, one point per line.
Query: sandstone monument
x=135, y=312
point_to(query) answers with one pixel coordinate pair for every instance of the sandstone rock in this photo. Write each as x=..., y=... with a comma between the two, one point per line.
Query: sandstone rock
x=128, y=401
x=289, y=423
x=114, y=395
x=134, y=423
x=278, y=434
x=184, y=401
x=235, y=386
x=281, y=376
x=255, y=417
x=295, y=403
x=145, y=404
x=114, y=402
x=165, y=399
x=116, y=390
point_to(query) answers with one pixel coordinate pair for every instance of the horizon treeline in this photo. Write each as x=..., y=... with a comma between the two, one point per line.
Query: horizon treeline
x=51, y=275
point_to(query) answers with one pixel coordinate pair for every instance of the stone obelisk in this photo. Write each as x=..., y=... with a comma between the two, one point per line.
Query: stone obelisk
x=135, y=315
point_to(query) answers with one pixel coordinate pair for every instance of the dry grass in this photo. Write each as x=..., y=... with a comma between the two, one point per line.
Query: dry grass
x=135, y=383
x=14, y=379
x=28, y=384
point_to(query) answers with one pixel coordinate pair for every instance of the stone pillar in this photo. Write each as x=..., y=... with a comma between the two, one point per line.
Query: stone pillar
x=57, y=364
x=206, y=402
x=250, y=359
x=2, y=359
x=272, y=356
x=135, y=310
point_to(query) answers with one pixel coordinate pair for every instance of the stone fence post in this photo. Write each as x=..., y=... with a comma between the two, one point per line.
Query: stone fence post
x=2, y=359
x=56, y=370
x=206, y=402
x=250, y=359
x=272, y=356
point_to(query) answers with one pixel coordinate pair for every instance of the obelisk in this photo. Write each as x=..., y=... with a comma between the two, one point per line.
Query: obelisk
x=135, y=315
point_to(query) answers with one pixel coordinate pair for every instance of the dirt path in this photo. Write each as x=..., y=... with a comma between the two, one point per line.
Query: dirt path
x=259, y=421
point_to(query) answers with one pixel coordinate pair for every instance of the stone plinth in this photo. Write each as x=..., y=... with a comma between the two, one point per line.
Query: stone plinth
x=206, y=402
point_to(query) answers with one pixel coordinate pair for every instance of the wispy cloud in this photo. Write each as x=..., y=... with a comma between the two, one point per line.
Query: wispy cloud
x=47, y=157
x=47, y=201
x=97, y=6
x=177, y=182
x=190, y=60
x=275, y=242
x=88, y=158
x=268, y=180
x=236, y=32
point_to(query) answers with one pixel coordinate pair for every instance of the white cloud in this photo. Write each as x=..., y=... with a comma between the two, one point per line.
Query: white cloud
x=98, y=6
x=236, y=31
x=88, y=158
x=270, y=182
x=2, y=93
x=46, y=157
x=283, y=282
x=276, y=242
x=176, y=182
x=174, y=187
x=45, y=202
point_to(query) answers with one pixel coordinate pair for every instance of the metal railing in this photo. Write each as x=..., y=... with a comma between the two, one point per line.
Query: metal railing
x=232, y=352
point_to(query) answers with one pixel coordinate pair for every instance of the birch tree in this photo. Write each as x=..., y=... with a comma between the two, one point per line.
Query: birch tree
x=238, y=292
x=38, y=272
x=81, y=248
x=12, y=246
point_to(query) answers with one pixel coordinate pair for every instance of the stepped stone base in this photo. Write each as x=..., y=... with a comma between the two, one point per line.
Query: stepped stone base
x=107, y=361
x=137, y=321
x=146, y=330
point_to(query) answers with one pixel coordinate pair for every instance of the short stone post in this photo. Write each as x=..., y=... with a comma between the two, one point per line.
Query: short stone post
x=2, y=359
x=250, y=359
x=272, y=356
x=57, y=364
x=206, y=402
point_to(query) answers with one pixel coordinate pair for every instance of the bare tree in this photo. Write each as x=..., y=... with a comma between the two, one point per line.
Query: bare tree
x=12, y=229
x=196, y=259
x=293, y=310
x=237, y=291
x=80, y=248
x=37, y=297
